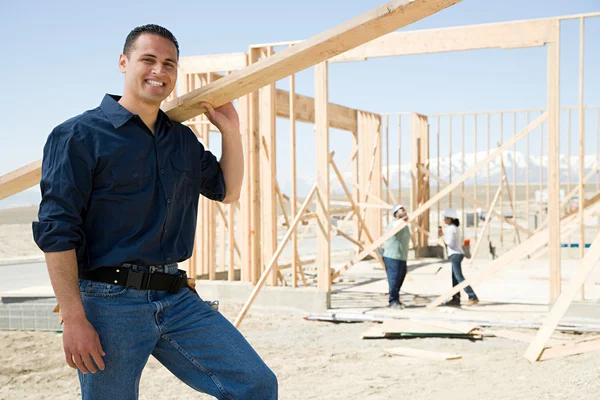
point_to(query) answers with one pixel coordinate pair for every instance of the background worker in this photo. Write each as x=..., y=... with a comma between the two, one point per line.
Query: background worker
x=453, y=239
x=395, y=254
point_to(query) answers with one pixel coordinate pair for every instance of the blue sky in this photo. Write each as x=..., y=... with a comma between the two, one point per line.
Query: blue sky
x=60, y=57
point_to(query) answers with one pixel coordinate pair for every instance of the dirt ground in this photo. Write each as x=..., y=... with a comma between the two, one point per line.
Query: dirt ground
x=323, y=360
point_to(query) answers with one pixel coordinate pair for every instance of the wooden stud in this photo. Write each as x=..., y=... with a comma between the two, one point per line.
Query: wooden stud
x=553, y=161
x=273, y=259
x=323, y=196
x=294, y=196
x=581, y=147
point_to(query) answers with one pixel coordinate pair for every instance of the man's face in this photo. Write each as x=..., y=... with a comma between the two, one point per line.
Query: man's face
x=151, y=69
x=401, y=213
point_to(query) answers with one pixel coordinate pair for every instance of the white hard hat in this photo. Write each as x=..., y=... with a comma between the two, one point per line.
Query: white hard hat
x=396, y=208
x=450, y=213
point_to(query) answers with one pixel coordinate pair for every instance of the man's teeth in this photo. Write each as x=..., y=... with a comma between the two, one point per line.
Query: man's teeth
x=154, y=83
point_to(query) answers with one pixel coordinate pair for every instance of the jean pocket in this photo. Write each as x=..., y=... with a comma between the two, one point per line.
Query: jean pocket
x=89, y=288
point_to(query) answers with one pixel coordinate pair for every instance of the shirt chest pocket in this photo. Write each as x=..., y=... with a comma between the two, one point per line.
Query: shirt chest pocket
x=132, y=177
x=182, y=169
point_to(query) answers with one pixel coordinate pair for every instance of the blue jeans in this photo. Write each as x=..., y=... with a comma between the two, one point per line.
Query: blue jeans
x=396, y=272
x=457, y=277
x=196, y=343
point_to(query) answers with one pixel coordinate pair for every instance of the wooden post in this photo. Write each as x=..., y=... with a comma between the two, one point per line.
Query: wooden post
x=420, y=181
x=553, y=161
x=581, y=149
x=322, y=203
x=256, y=190
x=293, y=195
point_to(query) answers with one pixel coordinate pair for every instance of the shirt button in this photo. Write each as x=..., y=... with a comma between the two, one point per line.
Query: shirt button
x=169, y=201
x=168, y=258
x=135, y=174
x=162, y=171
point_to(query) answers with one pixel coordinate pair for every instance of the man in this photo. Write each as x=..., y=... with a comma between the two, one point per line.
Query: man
x=395, y=255
x=120, y=187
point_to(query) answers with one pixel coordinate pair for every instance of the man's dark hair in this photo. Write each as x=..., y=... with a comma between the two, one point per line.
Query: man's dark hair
x=455, y=222
x=150, y=29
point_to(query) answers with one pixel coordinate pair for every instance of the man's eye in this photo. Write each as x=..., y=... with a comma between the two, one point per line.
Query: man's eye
x=148, y=60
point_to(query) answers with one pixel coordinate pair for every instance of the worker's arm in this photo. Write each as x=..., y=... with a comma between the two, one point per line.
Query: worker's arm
x=226, y=119
x=66, y=184
x=81, y=342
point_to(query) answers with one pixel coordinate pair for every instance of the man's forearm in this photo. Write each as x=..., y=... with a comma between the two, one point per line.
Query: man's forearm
x=232, y=164
x=62, y=268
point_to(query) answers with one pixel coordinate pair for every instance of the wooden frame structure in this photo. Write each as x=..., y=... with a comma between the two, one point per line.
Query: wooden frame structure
x=247, y=233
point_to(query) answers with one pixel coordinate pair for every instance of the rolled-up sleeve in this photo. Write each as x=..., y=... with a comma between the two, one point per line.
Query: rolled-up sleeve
x=66, y=184
x=212, y=181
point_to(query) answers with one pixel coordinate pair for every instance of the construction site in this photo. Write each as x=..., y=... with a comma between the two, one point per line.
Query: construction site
x=307, y=260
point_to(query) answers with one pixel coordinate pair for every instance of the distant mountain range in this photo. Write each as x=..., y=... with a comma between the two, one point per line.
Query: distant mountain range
x=513, y=162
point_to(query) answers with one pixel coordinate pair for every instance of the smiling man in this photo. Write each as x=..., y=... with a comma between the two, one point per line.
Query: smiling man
x=120, y=188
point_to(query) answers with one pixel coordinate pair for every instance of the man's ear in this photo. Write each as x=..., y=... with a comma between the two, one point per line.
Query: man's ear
x=123, y=63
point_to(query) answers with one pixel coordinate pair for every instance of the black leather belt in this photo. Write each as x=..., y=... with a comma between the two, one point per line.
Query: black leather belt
x=140, y=280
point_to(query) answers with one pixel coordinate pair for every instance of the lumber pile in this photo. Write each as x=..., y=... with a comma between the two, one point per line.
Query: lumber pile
x=395, y=329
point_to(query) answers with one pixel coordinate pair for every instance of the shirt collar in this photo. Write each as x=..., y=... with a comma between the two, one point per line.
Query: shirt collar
x=119, y=115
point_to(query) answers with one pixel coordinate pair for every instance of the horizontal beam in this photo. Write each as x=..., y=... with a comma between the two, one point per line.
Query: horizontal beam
x=213, y=63
x=517, y=34
x=339, y=117
x=20, y=179
x=349, y=35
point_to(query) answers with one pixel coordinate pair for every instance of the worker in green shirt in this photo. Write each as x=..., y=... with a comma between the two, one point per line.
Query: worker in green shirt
x=395, y=254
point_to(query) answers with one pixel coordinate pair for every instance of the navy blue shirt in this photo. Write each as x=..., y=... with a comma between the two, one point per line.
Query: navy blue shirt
x=117, y=193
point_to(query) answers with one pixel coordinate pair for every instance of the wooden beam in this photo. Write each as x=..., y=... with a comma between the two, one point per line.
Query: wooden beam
x=20, y=179
x=368, y=249
x=351, y=34
x=553, y=161
x=515, y=34
x=487, y=221
x=213, y=63
x=563, y=302
x=273, y=260
x=478, y=203
x=340, y=117
x=323, y=195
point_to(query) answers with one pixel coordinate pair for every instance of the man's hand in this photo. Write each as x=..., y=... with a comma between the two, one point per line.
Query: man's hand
x=82, y=344
x=225, y=117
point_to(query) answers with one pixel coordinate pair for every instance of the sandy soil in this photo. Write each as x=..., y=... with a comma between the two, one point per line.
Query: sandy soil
x=313, y=360
x=321, y=360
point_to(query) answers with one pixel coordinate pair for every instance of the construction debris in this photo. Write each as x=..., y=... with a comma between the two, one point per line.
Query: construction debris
x=423, y=354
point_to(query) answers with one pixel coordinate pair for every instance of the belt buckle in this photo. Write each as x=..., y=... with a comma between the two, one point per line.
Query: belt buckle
x=134, y=279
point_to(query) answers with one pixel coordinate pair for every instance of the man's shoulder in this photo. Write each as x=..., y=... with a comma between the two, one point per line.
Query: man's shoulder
x=80, y=125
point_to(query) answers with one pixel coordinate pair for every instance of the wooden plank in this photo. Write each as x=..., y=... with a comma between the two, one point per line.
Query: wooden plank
x=360, y=30
x=564, y=301
x=340, y=117
x=479, y=203
x=323, y=194
x=20, y=179
x=487, y=222
x=515, y=34
x=553, y=161
x=213, y=63
x=441, y=194
x=355, y=208
x=292, y=107
x=570, y=349
x=423, y=354
x=581, y=145
x=273, y=260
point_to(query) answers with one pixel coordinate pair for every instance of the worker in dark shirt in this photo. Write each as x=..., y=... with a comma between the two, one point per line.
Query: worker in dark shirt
x=120, y=189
